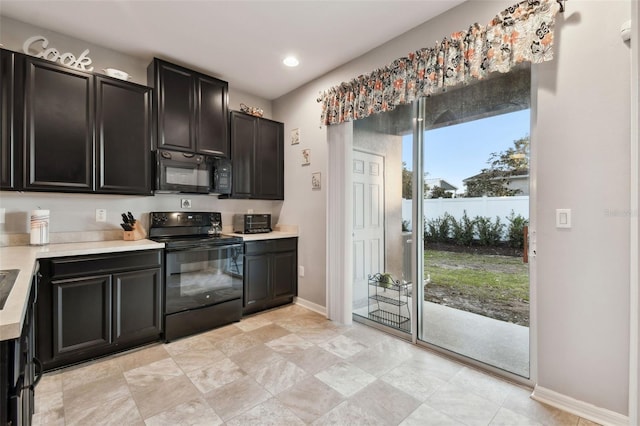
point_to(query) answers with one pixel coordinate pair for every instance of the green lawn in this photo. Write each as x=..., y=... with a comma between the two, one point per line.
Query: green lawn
x=485, y=277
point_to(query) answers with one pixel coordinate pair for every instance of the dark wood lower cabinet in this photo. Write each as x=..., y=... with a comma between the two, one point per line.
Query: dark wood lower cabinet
x=20, y=372
x=81, y=314
x=285, y=279
x=94, y=305
x=137, y=305
x=256, y=280
x=270, y=277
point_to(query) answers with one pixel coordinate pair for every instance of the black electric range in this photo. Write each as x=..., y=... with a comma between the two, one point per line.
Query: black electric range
x=203, y=285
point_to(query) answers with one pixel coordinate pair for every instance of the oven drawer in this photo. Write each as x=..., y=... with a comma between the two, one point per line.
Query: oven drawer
x=270, y=246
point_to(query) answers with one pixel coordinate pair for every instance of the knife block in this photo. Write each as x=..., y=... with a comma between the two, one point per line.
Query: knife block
x=137, y=233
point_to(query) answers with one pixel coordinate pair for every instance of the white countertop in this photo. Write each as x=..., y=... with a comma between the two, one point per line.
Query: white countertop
x=24, y=258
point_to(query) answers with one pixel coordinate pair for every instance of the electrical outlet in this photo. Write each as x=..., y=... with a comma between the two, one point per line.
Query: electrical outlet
x=185, y=203
x=101, y=215
x=301, y=271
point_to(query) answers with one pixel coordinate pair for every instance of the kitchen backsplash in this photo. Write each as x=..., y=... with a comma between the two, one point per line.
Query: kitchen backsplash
x=62, y=237
x=73, y=216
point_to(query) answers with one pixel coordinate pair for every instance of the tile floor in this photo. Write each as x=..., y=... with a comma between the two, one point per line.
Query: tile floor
x=289, y=366
x=493, y=342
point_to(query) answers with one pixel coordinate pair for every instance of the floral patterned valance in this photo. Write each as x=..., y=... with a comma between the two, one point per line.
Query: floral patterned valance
x=521, y=33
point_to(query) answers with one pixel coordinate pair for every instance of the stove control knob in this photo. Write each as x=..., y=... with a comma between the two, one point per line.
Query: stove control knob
x=159, y=219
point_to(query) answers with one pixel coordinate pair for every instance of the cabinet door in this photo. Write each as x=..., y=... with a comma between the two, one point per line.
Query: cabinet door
x=137, y=304
x=123, y=155
x=10, y=154
x=59, y=128
x=256, y=280
x=212, y=116
x=244, y=132
x=176, y=117
x=284, y=274
x=81, y=314
x=269, y=161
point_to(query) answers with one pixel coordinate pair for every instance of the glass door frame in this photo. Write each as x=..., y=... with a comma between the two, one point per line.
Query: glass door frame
x=419, y=110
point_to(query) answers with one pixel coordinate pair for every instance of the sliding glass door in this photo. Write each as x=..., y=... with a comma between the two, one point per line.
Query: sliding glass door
x=382, y=242
x=440, y=219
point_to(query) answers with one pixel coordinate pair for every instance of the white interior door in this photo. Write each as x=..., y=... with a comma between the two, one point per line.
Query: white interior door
x=368, y=221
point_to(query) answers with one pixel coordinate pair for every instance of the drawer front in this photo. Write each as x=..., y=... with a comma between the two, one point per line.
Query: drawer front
x=104, y=263
x=270, y=246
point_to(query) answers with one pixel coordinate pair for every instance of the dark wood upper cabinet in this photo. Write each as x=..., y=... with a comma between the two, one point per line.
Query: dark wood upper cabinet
x=59, y=117
x=123, y=137
x=257, y=152
x=212, y=133
x=174, y=94
x=191, y=109
x=270, y=160
x=10, y=129
x=66, y=130
x=244, y=134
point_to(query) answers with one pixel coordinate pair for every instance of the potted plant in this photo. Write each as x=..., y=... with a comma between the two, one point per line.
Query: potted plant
x=386, y=280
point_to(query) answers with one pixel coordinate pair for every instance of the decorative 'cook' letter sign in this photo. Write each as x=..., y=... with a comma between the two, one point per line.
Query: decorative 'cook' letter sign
x=38, y=46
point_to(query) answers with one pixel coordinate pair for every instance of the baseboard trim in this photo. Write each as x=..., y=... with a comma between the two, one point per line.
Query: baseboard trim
x=579, y=408
x=310, y=305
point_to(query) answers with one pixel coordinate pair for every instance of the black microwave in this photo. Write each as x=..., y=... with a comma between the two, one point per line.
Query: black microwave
x=183, y=172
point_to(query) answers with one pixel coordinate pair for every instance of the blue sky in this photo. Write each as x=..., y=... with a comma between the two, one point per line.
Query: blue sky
x=454, y=153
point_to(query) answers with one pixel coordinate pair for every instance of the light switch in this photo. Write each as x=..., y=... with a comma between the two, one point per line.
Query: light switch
x=563, y=218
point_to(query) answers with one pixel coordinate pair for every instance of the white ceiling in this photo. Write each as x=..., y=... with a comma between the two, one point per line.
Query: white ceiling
x=242, y=42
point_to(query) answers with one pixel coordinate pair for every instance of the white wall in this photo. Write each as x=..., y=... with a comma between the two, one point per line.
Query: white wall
x=582, y=137
x=583, y=147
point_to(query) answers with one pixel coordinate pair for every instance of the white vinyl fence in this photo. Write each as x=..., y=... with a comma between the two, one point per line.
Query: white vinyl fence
x=481, y=206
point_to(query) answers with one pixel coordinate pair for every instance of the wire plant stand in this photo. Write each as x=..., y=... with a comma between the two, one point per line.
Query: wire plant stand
x=388, y=300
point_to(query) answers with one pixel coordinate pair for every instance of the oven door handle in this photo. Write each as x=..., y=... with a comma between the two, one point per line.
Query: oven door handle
x=203, y=248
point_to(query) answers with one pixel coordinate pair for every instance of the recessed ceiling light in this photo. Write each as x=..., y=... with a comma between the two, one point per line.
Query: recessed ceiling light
x=290, y=61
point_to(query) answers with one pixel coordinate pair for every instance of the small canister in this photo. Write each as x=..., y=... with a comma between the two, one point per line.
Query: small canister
x=39, y=227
